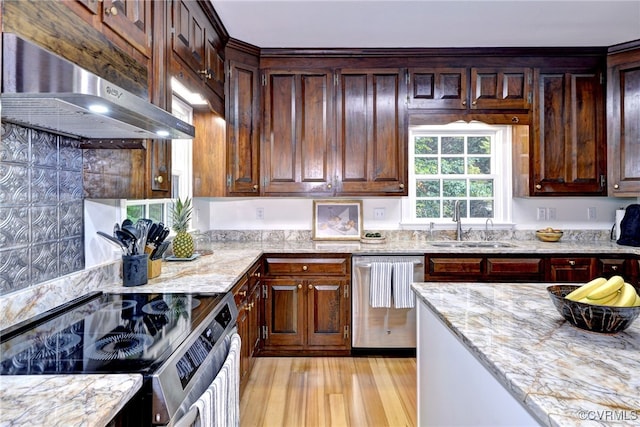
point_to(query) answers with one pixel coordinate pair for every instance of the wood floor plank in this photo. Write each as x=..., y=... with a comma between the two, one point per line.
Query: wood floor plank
x=330, y=391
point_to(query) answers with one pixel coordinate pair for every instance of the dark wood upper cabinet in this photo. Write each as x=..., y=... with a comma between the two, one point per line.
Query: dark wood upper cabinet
x=495, y=88
x=372, y=140
x=438, y=88
x=473, y=88
x=131, y=19
x=568, y=146
x=298, y=133
x=623, y=120
x=243, y=138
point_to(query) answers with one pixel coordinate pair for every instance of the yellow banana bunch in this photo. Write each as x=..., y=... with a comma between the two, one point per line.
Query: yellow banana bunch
x=600, y=291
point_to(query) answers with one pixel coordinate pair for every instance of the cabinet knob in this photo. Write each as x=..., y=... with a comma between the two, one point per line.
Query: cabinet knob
x=616, y=186
x=158, y=179
x=242, y=293
x=572, y=263
x=614, y=267
x=305, y=268
x=205, y=73
x=329, y=186
x=464, y=102
x=310, y=286
x=515, y=119
x=474, y=103
x=538, y=187
x=401, y=186
x=255, y=187
x=299, y=285
x=113, y=11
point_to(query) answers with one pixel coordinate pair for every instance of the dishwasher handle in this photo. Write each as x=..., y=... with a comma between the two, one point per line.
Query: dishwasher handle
x=368, y=264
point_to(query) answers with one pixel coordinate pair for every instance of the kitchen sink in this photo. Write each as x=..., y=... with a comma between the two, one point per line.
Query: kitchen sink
x=458, y=244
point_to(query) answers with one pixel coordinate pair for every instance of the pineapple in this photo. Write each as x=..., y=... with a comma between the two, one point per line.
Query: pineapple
x=183, y=242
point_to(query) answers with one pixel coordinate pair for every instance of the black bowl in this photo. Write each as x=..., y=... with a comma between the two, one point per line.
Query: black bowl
x=594, y=318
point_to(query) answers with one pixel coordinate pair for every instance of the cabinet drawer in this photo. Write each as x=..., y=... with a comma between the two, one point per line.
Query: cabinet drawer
x=515, y=268
x=454, y=267
x=611, y=267
x=306, y=266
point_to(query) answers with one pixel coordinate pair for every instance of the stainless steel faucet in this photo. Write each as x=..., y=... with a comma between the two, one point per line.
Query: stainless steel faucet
x=456, y=218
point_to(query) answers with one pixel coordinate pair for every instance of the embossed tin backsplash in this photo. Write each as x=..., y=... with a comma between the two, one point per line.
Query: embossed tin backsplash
x=41, y=207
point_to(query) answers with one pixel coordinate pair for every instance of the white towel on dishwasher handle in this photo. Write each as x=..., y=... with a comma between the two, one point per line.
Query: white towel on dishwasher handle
x=402, y=279
x=380, y=286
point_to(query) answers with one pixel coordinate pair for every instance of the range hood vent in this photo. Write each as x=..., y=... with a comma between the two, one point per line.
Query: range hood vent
x=44, y=91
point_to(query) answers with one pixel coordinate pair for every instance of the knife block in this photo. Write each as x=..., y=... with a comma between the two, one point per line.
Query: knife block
x=154, y=268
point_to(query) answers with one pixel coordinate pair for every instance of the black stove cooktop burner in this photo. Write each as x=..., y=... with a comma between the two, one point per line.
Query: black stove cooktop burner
x=132, y=332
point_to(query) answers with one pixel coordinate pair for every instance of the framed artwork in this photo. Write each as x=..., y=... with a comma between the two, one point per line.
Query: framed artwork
x=337, y=219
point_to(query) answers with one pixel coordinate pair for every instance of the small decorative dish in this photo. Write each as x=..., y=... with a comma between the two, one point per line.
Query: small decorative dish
x=175, y=258
x=372, y=238
x=595, y=318
x=549, y=235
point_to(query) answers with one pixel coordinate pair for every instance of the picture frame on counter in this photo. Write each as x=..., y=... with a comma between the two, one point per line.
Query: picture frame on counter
x=337, y=219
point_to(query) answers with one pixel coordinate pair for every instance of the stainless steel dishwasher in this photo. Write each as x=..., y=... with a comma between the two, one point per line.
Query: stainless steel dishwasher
x=381, y=327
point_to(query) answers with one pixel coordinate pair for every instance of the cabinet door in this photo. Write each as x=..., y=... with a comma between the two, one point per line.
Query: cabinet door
x=188, y=39
x=159, y=160
x=623, y=115
x=579, y=270
x=243, y=140
x=568, y=145
x=284, y=313
x=372, y=142
x=327, y=312
x=131, y=20
x=298, y=133
x=501, y=88
x=438, y=88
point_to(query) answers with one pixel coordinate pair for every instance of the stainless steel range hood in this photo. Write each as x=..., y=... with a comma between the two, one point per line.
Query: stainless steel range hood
x=44, y=91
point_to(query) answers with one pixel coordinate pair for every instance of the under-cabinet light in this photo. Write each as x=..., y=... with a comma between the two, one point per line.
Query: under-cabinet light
x=193, y=98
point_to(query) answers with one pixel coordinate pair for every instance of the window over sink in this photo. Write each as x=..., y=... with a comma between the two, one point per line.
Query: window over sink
x=469, y=162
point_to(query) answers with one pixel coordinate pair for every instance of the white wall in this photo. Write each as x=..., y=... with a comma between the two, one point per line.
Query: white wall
x=297, y=214
x=100, y=215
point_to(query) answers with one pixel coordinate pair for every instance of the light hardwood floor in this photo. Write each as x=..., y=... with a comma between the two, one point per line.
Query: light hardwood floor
x=330, y=391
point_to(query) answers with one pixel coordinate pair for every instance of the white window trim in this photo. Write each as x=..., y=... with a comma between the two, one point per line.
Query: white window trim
x=503, y=172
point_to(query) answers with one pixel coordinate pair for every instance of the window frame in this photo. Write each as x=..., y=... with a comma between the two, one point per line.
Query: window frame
x=501, y=167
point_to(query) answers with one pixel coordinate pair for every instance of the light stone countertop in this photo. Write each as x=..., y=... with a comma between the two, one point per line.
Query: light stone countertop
x=565, y=376
x=64, y=400
x=214, y=272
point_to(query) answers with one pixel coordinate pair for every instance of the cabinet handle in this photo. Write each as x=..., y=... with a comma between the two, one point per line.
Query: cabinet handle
x=113, y=11
x=616, y=186
x=402, y=186
x=255, y=187
x=158, y=179
x=305, y=268
x=572, y=263
x=614, y=268
x=256, y=274
x=205, y=73
x=474, y=103
x=242, y=293
x=299, y=285
x=310, y=286
x=538, y=187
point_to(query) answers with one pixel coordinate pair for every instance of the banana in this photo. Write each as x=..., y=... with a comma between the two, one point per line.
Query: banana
x=627, y=297
x=608, y=288
x=602, y=301
x=584, y=290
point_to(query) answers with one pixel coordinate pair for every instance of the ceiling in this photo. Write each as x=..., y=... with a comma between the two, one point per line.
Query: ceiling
x=429, y=23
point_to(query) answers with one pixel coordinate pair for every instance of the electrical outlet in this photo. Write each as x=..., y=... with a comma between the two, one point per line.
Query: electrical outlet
x=378, y=213
x=551, y=214
x=591, y=213
x=541, y=214
x=259, y=213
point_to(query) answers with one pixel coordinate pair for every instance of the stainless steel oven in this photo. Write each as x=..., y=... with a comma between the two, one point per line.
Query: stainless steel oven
x=178, y=342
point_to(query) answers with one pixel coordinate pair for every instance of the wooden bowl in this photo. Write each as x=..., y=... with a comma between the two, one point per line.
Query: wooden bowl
x=549, y=236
